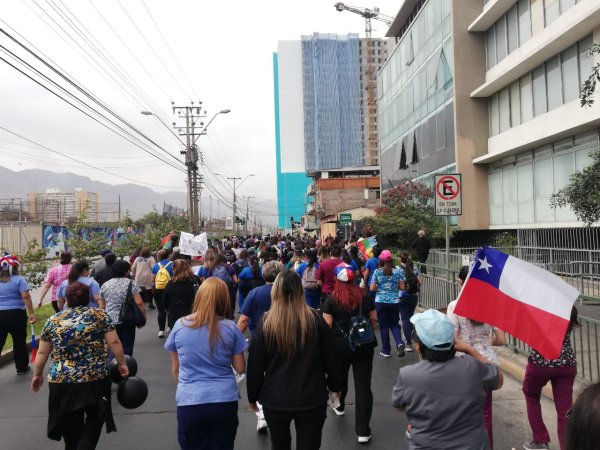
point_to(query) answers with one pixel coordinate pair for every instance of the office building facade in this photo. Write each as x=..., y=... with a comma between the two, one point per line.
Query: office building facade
x=506, y=77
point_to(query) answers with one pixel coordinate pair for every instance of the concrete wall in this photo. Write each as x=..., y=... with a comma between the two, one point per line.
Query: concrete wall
x=470, y=115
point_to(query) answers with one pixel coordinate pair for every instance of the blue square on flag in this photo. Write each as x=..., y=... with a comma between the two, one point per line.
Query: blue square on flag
x=489, y=265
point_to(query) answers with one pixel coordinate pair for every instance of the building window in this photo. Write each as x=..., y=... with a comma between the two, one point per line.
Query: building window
x=508, y=33
x=554, y=8
x=553, y=79
x=570, y=82
x=540, y=105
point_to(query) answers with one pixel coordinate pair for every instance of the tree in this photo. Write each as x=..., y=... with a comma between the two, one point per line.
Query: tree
x=83, y=242
x=406, y=208
x=588, y=88
x=582, y=193
x=33, y=264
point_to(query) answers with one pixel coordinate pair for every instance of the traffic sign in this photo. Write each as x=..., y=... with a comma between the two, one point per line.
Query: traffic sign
x=448, y=195
x=345, y=219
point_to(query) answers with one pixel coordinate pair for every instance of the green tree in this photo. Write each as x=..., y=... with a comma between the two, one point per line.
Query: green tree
x=33, y=264
x=582, y=193
x=406, y=208
x=588, y=88
x=82, y=242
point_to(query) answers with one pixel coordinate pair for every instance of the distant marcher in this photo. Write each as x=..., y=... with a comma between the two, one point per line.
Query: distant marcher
x=162, y=272
x=308, y=275
x=443, y=395
x=141, y=271
x=422, y=245
x=14, y=300
x=291, y=365
x=483, y=338
x=80, y=272
x=409, y=298
x=346, y=301
x=370, y=266
x=561, y=374
x=204, y=347
x=80, y=388
x=100, y=264
x=107, y=273
x=249, y=278
x=56, y=275
x=114, y=292
x=583, y=432
x=180, y=292
x=325, y=275
x=387, y=283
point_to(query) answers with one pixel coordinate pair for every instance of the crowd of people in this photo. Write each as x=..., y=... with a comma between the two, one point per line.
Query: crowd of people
x=307, y=311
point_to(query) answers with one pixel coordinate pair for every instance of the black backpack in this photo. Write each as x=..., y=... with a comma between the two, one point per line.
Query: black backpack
x=360, y=334
x=412, y=283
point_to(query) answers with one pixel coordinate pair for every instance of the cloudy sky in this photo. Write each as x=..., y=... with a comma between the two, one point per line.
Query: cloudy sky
x=219, y=52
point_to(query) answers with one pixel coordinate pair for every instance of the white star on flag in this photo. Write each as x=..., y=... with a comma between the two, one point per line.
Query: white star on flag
x=485, y=264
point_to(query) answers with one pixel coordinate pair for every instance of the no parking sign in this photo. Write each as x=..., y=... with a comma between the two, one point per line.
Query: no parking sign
x=448, y=197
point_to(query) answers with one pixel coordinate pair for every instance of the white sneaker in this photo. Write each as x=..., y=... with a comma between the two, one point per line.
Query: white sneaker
x=364, y=439
x=408, y=349
x=161, y=334
x=261, y=426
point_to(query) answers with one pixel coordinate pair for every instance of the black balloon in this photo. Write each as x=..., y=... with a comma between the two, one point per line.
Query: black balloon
x=132, y=392
x=115, y=376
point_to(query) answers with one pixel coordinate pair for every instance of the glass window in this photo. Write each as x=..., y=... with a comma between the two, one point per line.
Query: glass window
x=490, y=42
x=495, y=187
x=501, y=42
x=526, y=98
x=570, y=81
x=515, y=105
x=525, y=193
x=551, y=11
x=524, y=21
x=509, y=195
x=539, y=91
x=563, y=168
x=494, y=115
x=512, y=20
x=586, y=61
x=554, y=83
x=504, y=109
x=543, y=189
x=582, y=159
x=566, y=4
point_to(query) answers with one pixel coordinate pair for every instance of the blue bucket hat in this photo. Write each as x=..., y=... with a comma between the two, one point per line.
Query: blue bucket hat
x=434, y=329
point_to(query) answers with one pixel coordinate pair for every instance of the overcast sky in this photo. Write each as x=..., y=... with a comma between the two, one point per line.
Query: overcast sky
x=224, y=48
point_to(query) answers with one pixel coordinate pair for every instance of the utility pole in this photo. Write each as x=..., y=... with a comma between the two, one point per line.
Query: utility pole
x=235, y=180
x=247, y=207
x=119, y=208
x=192, y=114
x=210, y=211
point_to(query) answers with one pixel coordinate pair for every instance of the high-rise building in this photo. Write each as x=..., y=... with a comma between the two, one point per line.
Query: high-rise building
x=490, y=89
x=321, y=112
x=54, y=206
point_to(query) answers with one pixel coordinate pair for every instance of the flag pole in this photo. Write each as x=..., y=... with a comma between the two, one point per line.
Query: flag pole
x=449, y=291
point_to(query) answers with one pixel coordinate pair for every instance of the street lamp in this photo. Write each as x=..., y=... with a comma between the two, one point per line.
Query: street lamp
x=235, y=180
x=223, y=111
x=150, y=113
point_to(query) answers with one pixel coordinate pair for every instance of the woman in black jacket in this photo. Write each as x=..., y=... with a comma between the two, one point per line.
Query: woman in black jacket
x=180, y=292
x=291, y=365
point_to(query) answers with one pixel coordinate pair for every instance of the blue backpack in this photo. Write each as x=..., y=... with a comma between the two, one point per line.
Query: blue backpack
x=360, y=334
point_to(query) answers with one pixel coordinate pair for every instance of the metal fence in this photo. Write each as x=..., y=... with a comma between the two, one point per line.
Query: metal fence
x=440, y=287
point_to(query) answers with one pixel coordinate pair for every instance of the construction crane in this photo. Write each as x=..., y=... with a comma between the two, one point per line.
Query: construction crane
x=370, y=87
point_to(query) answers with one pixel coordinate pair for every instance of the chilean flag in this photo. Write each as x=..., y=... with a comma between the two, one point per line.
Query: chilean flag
x=524, y=300
x=34, y=345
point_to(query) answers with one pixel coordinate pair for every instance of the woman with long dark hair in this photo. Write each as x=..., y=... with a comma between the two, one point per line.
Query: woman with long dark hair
x=14, y=300
x=308, y=276
x=346, y=301
x=204, y=346
x=78, y=379
x=249, y=278
x=561, y=374
x=387, y=283
x=409, y=298
x=56, y=275
x=79, y=273
x=291, y=365
x=180, y=292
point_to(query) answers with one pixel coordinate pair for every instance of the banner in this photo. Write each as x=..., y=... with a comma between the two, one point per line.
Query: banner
x=193, y=245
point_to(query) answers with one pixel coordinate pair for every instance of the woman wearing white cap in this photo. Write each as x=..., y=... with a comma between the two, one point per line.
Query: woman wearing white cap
x=346, y=301
x=448, y=418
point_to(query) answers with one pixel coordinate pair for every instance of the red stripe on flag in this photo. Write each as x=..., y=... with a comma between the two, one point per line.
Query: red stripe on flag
x=540, y=329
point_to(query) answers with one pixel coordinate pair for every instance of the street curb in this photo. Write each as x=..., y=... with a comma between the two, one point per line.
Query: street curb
x=8, y=356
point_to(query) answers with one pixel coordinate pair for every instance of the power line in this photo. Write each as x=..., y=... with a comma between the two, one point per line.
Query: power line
x=170, y=51
x=84, y=163
x=151, y=48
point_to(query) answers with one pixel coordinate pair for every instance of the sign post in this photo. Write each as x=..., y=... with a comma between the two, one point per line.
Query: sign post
x=448, y=202
x=345, y=219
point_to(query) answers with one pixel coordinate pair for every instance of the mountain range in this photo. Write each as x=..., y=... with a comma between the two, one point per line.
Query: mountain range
x=136, y=199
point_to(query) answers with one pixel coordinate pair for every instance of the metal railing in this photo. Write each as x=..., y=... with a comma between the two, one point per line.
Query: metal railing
x=440, y=287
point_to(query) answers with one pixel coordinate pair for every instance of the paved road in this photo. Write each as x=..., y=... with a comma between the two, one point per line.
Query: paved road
x=23, y=415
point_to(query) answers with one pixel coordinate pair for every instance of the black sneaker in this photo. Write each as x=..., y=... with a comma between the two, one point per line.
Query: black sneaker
x=401, y=350
x=24, y=371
